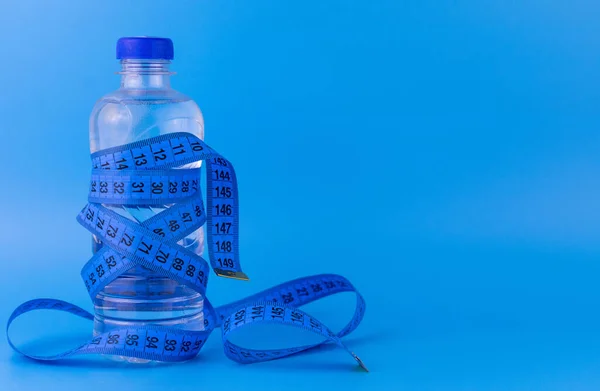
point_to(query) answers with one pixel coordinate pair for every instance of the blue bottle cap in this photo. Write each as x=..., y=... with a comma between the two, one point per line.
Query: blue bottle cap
x=151, y=48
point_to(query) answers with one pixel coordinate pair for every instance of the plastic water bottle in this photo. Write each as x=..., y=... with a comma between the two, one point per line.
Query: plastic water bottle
x=145, y=106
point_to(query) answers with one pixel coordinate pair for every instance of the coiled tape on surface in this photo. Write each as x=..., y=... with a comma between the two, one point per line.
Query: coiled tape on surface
x=143, y=174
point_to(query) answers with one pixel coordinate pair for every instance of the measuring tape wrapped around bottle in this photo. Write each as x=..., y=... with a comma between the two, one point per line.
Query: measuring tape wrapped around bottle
x=119, y=176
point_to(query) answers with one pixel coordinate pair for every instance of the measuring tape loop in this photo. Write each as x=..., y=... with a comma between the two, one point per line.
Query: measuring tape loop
x=147, y=174
x=282, y=307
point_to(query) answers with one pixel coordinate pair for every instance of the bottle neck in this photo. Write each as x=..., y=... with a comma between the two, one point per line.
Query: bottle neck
x=145, y=74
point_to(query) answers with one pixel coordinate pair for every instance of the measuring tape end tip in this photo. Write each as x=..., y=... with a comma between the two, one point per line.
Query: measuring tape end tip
x=360, y=362
x=230, y=274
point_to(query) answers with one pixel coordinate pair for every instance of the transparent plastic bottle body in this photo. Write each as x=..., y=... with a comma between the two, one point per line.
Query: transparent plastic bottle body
x=145, y=106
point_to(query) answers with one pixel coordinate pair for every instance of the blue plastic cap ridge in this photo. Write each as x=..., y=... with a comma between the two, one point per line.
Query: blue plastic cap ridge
x=151, y=48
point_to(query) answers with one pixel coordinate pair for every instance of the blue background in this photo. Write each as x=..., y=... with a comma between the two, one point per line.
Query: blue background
x=450, y=146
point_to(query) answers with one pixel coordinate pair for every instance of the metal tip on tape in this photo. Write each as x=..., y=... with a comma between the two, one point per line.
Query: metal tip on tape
x=230, y=274
x=359, y=361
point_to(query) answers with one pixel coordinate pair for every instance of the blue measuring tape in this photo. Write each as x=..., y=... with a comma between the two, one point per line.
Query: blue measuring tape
x=143, y=174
